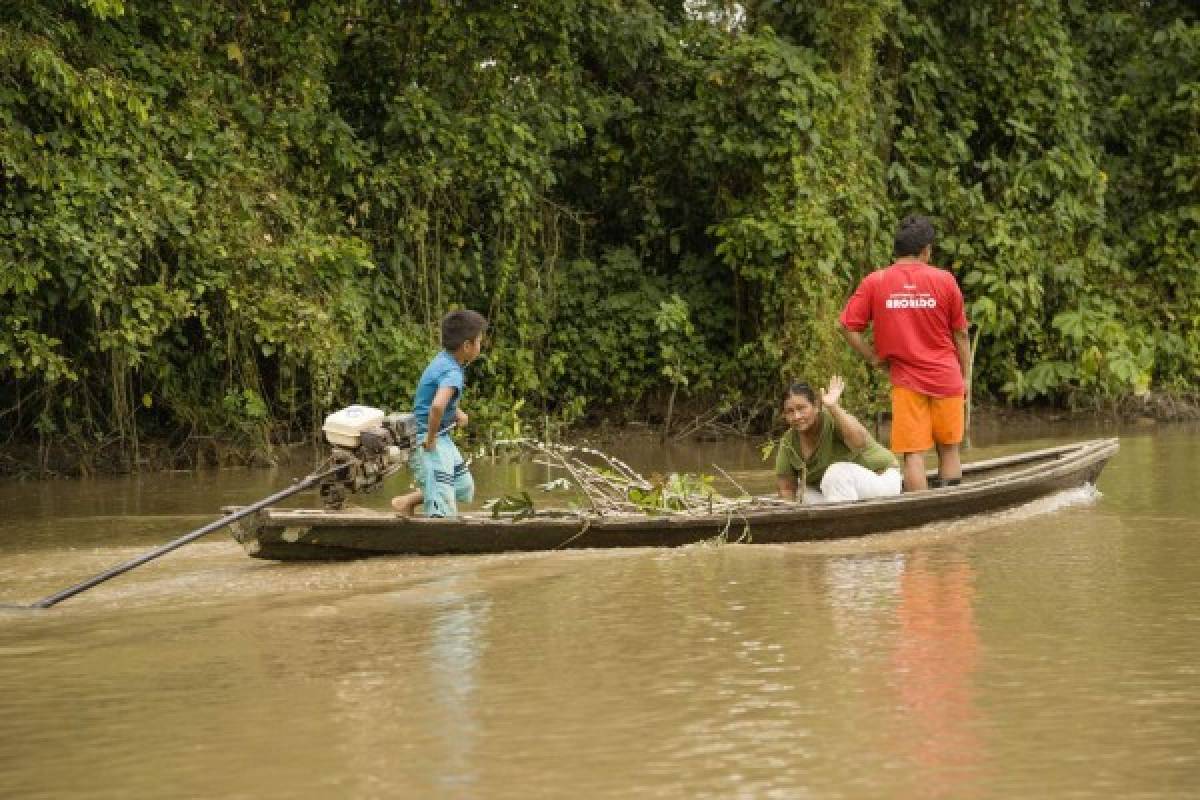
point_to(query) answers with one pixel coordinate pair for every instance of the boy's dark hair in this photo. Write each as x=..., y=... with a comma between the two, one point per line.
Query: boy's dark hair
x=913, y=235
x=461, y=326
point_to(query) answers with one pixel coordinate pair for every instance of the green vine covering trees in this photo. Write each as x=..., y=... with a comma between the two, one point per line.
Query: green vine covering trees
x=229, y=217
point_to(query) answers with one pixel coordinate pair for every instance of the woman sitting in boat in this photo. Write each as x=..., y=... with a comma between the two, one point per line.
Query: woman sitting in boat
x=829, y=452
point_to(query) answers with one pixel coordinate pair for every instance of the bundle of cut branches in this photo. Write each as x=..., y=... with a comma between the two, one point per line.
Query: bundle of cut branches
x=610, y=486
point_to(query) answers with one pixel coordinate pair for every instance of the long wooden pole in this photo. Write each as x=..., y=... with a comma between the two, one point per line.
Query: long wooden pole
x=120, y=569
x=970, y=389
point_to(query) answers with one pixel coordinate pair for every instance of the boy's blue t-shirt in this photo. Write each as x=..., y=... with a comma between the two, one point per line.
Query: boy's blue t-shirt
x=443, y=370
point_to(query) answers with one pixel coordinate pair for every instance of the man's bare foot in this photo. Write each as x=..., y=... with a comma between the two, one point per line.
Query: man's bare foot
x=406, y=504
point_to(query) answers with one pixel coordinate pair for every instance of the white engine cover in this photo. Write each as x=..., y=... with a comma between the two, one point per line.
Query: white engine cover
x=342, y=428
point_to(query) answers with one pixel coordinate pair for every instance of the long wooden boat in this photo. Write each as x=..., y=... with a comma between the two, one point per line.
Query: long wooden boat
x=989, y=485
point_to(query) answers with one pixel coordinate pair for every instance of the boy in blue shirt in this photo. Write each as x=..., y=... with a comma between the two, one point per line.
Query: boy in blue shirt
x=441, y=476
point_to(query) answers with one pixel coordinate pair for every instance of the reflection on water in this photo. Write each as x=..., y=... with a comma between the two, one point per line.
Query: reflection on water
x=454, y=654
x=1045, y=652
x=935, y=655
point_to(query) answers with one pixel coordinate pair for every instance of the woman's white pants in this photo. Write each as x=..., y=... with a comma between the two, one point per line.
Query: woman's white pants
x=844, y=482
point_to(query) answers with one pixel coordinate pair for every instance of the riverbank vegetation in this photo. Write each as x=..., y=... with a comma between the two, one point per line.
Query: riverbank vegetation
x=221, y=220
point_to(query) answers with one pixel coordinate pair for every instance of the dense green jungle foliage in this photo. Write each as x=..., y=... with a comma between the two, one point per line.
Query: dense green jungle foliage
x=227, y=217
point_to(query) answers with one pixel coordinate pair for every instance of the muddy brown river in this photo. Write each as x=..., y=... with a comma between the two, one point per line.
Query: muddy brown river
x=1051, y=651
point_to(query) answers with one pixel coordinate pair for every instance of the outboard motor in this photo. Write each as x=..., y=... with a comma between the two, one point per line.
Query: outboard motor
x=369, y=445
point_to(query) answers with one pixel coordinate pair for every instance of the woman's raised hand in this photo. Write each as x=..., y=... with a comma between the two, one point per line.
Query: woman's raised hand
x=833, y=394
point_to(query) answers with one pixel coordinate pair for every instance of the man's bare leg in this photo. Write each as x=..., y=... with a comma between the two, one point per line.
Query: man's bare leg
x=914, y=472
x=406, y=504
x=949, y=462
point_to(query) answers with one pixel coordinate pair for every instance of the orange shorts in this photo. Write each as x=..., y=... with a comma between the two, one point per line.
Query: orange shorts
x=918, y=420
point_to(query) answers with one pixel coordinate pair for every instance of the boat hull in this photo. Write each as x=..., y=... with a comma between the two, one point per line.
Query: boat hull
x=993, y=485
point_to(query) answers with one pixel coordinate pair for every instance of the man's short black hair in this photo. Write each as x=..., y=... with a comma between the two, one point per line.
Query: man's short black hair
x=914, y=235
x=461, y=326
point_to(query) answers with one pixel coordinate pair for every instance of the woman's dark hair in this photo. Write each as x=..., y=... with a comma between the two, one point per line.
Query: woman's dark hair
x=914, y=234
x=461, y=326
x=800, y=389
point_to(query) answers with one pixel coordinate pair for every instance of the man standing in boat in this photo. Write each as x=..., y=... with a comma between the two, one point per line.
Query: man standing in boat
x=920, y=337
x=438, y=468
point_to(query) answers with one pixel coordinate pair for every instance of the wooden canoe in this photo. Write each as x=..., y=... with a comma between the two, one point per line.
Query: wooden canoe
x=989, y=485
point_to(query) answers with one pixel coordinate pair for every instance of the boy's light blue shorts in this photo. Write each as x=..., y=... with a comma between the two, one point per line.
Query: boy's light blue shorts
x=442, y=477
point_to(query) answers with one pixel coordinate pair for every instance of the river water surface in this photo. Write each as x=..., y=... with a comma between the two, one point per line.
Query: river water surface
x=1051, y=651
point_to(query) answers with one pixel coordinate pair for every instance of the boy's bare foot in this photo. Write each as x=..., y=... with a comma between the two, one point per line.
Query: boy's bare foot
x=406, y=504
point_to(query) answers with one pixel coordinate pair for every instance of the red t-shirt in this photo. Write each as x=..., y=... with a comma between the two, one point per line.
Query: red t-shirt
x=913, y=308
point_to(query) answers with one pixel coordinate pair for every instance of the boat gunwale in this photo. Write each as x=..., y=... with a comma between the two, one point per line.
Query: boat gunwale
x=1045, y=465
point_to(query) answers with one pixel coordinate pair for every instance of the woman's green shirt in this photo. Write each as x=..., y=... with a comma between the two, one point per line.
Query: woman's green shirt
x=831, y=448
